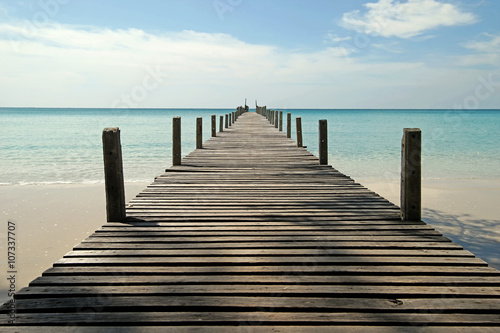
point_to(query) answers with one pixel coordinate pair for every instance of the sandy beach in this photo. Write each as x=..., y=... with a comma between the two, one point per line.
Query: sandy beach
x=51, y=219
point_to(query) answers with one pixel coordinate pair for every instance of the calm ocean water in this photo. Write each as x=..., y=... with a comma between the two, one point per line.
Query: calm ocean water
x=64, y=145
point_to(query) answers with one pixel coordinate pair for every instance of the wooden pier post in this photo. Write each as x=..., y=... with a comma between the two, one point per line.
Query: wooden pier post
x=281, y=122
x=298, y=129
x=289, y=125
x=214, y=128
x=226, y=124
x=199, y=133
x=276, y=119
x=323, y=142
x=176, y=141
x=221, y=124
x=411, y=204
x=113, y=175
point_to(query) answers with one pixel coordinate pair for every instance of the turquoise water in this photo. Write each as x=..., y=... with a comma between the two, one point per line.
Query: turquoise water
x=64, y=145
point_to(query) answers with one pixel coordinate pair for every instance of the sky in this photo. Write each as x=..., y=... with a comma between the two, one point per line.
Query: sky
x=412, y=54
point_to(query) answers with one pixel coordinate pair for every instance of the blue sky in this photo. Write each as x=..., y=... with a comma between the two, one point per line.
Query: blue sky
x=285, y=53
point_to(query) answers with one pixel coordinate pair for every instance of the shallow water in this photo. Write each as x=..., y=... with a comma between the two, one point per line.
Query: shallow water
x=64, y=145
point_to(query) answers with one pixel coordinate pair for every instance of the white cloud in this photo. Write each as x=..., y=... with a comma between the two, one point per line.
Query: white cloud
x=388, y=47
x=488, y=46
x=389, y=18
x=333, y=38
x=487, y=52
x=59, y=65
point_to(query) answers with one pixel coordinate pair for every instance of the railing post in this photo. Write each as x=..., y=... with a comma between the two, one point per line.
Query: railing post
x=199, y=133
x=289, y=125
x=113, y=175
x=323, y=142
x=214, y=128
x=298, y=129
x=221, y=124
x=411, y=173
x=176, y=141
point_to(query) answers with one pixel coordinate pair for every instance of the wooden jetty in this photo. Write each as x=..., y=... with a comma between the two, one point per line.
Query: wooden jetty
x=251, y=233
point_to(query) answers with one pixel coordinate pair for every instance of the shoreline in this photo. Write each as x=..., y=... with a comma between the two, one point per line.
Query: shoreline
x=51, y=219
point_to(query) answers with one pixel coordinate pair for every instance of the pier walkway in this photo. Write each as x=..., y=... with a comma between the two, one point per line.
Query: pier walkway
x=251, y=234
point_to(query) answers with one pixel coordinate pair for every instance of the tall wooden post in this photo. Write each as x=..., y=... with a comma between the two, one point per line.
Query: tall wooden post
x=214, y=127
x=276, y=119
x=199, y=133
x=411, y=175
x=281, y=122
x=226, y=123
x=221, y=124
x=323, y=142
x=113, y=175
x=298, y=129
x=176, y=141
x=289, y=125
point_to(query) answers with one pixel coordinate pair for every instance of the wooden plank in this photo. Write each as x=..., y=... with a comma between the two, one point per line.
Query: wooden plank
x=129, y=280
x=256, y=318
x=389, y=291
x=165, y=303
x=360, y=269
x=263, y=260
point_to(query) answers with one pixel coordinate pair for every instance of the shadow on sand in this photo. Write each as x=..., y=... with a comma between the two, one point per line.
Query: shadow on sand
x=481, y=237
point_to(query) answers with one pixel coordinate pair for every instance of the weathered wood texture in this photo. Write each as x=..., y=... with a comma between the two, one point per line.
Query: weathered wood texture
x=113, y=175
x=176, y=141
x=252, y=232
x=411, y=175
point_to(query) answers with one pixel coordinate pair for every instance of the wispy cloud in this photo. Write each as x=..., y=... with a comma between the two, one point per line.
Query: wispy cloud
x=492, y=45
x=333, y=38
x=389, y=18
x=388, y=47
x=487, y=51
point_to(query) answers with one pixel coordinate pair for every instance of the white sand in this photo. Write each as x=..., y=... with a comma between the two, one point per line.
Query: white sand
x=52, y=219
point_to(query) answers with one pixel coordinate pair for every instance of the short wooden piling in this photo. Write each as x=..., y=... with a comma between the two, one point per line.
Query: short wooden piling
x=221, y=124
x=113, y=175
x=289, y=125
x=281, y=122
x=323, y=142
x=199, y=133
x=176, y=141
x=298, y=129
x=411, y=206
x=214, y=127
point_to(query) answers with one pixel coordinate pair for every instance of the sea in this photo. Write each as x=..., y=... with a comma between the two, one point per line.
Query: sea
x=64, y=145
